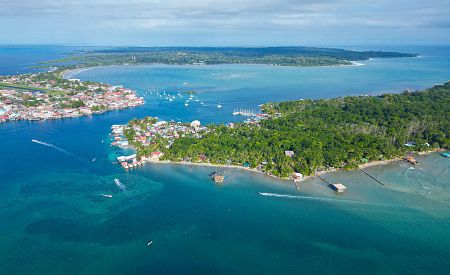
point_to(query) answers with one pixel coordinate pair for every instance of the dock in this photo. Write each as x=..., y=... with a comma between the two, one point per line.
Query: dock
x=410, y=159
x=219, y=175
x=296, y=178
x=372, y=177
x=338, y=187
x=324, y=180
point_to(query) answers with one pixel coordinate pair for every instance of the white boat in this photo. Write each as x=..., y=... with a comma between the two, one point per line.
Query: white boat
x=106, y=195
x=219, y=105
x=149, y=243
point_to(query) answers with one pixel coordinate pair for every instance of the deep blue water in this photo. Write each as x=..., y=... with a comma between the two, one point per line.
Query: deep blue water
x=55, y=221
x=16, y=59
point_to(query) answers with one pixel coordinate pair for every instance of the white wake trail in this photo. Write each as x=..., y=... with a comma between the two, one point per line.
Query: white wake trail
x=306, y=197
x=56, y=148
x=119, y=184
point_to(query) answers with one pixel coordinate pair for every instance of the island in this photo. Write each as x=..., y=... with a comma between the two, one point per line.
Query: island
x=280, y=56
x=47, y=95
x=300, y=138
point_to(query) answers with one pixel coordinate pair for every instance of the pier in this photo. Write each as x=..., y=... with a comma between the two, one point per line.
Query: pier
x=338, y=187
x=372, y=177
x=219, y=175
x=244, y=112
x=324, y=180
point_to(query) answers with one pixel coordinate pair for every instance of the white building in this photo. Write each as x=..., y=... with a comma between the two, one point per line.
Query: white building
x=195, y=124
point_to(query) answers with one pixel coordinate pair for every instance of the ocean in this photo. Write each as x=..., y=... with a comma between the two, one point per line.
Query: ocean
x=55, y=219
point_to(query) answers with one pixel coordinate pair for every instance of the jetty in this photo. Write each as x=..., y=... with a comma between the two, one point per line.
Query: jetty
x=219, y=175
x=338, y=187
x=372, y=177
x=296, y=178
x=410, y=159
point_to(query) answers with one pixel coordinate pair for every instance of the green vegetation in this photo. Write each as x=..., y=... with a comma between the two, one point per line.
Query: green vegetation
x=282, y=56
x=341, y=133
x=72, y=104
x=19, y=87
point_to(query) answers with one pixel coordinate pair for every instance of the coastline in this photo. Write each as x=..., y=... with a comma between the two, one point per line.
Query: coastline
x=321, y=172
x=69, y=73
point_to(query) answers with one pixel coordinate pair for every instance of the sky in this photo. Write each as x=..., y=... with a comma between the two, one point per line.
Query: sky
x=224, y=22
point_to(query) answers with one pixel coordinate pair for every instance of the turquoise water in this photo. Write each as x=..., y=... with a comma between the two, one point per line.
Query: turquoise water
x=54, y=219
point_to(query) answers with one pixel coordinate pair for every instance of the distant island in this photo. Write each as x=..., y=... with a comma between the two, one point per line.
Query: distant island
x=280, y=56
x=301, y=137
x=42, y=96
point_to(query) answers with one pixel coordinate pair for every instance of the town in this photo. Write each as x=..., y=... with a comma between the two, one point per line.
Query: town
x=149, y=135
x=43, y=96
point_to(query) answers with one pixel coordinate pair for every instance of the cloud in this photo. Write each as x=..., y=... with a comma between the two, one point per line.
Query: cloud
x=237, y=16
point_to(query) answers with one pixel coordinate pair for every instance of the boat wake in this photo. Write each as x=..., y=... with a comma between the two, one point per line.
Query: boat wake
x=119, y=184
x=56, y=148
x=306, y=197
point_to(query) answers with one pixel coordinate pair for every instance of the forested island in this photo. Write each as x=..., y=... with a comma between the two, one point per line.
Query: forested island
x=282, y=56
x=306, y=136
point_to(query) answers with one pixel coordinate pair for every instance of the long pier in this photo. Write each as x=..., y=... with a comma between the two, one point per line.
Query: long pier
x=372, y=177
x=323, y=179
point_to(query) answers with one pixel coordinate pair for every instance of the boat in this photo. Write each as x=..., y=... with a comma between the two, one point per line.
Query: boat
x=106, y=195
x=93, y=160
x=219, y=105
x=445, y=155
x=186, y=104
x=149, y=243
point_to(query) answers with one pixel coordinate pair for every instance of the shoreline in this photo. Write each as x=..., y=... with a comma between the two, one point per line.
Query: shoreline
x=69, y=73
x=322, y=172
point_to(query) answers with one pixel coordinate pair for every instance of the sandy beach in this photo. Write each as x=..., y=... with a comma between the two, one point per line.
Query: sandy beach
x=333, y=170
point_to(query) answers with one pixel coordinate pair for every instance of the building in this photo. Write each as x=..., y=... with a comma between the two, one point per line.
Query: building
x=195, y=124
x=289, y=153
x=338, y=187
x=297, y=177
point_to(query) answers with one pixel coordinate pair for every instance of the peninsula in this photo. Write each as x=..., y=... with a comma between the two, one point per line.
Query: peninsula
x=302, y=137
x=48, y=95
